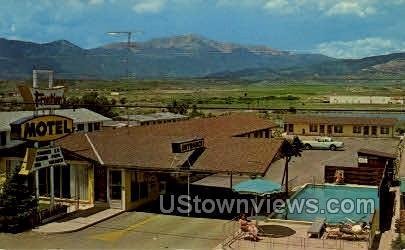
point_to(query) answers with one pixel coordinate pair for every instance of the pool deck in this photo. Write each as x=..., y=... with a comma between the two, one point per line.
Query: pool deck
x=299, y=240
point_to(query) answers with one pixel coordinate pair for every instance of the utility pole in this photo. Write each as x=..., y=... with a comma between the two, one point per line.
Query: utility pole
x=129, y=36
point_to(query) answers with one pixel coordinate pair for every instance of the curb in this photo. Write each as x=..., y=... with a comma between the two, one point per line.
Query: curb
x=83, y=227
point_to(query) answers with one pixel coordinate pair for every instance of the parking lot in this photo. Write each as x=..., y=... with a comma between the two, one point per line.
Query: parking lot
x=130, y=230
x=310, y=166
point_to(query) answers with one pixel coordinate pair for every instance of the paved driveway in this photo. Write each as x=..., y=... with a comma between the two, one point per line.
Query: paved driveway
x=131, y=230
x=311, y=165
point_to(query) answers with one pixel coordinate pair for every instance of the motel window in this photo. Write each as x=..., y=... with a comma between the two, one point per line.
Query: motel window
x=139, y=186
x=338, y=129
x=3, y=138
x=356, y=129
x=96, y=126
x=313, y=128
x=143, y=190
x=291, y=128
x=267, y=133
x=80, y=127
x=61, y=182
x=134, y=187
x=374, y=130
x=90, y=127
x=322, y=129
x=384, y=130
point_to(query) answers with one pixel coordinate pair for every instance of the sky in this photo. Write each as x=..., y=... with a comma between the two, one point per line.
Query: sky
x=337, y=28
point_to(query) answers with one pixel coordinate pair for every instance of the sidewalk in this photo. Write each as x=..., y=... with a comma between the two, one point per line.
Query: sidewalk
x=77, y=224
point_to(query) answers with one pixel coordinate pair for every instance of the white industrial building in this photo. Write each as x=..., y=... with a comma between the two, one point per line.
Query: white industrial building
x=365, y=100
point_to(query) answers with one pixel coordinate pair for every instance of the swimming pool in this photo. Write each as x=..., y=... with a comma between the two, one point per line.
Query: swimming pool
x=346, y=203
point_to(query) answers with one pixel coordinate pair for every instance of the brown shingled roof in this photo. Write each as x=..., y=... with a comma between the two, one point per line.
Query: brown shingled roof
x=149, y=147
x=239, y=154
x=341, y=120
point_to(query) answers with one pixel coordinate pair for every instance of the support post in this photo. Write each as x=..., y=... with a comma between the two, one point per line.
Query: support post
x=52, y=203
x=188, y=192
x=37, y=184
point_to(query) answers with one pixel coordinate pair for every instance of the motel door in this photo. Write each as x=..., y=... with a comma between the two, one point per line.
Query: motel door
x=115, y=188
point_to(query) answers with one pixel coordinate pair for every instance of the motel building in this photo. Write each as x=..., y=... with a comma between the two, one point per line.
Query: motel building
x=128, y=167
x=339, y=126
x=12, y=151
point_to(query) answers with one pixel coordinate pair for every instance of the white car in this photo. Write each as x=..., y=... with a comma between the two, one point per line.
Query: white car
x=323, y=143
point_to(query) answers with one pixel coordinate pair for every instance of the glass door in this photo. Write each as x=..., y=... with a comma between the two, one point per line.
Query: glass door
x=115, y=186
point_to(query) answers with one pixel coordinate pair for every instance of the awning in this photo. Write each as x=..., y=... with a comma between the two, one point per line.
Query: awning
x=257, y=186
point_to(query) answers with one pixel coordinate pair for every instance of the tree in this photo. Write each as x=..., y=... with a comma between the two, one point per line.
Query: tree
x=195, y=112
x=18, y=204
x=93, y=101
x=290, y=149
x=178, y=108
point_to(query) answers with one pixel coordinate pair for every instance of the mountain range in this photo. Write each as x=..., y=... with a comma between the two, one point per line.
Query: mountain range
x=180, y=57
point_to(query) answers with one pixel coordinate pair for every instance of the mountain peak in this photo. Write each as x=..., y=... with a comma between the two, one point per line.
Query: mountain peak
x=63, y=43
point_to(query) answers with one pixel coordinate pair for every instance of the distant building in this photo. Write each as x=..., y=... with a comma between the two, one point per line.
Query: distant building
x=365, y=100
x=149, y=119
x=83, y=119
x=339, y=126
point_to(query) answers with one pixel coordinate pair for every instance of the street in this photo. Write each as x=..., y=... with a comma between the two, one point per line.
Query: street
x=130, y=230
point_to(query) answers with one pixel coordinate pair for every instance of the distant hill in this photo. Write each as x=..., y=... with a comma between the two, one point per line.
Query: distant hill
x=180, y=56
x=383, y=65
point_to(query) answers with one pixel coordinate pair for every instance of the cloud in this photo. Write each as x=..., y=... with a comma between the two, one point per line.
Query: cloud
x=13, y=28
x=360, y=48
x=96, y=2
x=279, y=5
x=149, y=6
x=359, y=8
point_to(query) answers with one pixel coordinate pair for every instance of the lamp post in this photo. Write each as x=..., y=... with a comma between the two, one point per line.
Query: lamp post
x=129, y=36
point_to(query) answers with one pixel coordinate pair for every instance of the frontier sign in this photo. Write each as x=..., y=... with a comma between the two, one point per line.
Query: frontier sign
x=47, y=98
x=41, y=128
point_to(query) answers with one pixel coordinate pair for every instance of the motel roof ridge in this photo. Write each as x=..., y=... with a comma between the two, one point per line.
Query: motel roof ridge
x=340, y=120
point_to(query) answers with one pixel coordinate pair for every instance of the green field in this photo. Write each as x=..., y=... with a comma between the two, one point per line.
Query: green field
x=236, y=94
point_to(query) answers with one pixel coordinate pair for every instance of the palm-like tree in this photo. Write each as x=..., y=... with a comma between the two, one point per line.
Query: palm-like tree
x=290, y=149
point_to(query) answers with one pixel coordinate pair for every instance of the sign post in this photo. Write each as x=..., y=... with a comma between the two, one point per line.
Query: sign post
x=42, y=129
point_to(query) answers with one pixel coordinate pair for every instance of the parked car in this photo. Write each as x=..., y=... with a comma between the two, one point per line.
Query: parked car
x=323, y=143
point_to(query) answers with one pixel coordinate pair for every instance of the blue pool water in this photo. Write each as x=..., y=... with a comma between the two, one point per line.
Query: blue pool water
x=341, y=193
